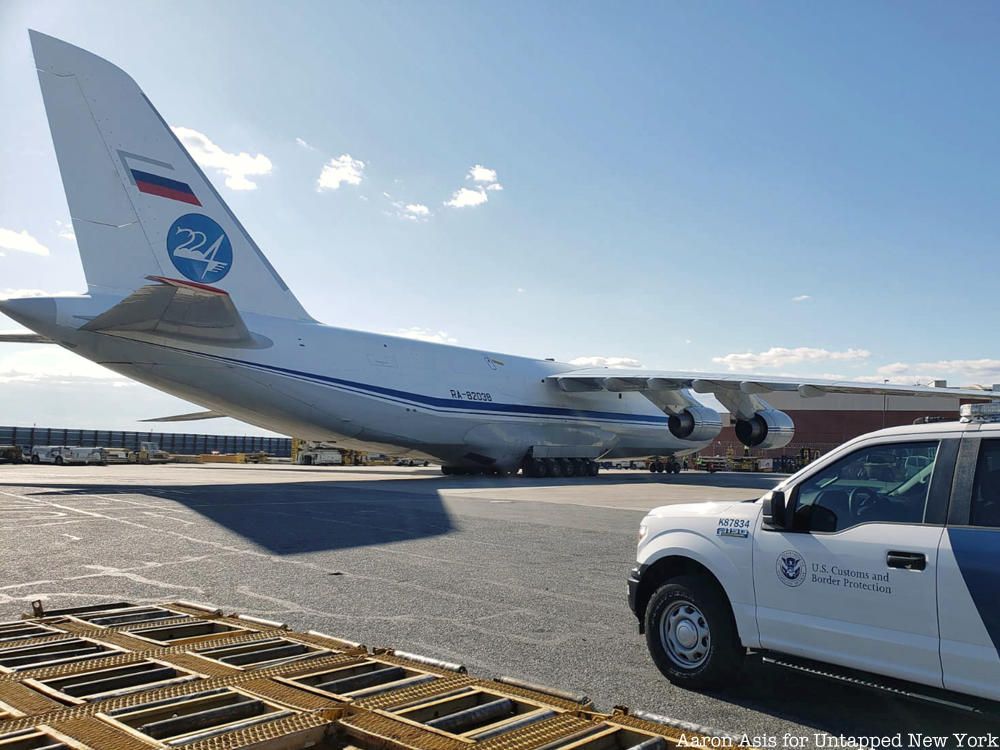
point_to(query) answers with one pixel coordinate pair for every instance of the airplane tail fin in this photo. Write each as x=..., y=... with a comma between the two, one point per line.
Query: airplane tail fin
x=140, y=205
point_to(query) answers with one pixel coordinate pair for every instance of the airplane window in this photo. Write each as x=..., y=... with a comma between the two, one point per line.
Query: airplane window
x=884, y=483
x=986, y=490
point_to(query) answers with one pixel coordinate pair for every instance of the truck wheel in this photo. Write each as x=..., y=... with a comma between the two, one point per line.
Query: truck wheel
x=691, y=634
x=35, y=460
x=59, y=460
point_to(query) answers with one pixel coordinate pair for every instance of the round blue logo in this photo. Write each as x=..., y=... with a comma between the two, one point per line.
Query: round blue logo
x=199, y=248
x=791, y=568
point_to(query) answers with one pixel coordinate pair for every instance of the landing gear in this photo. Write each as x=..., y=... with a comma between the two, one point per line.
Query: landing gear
x=539, y=468
x=670, y=466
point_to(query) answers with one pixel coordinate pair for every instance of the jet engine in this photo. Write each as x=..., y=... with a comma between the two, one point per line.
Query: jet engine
x=767, y=429
x=695, y=423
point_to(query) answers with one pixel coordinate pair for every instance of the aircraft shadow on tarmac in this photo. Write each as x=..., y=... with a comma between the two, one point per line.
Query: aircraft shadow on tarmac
x=290, y=518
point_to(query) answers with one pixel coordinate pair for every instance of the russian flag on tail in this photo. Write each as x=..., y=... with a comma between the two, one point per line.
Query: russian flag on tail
x=164, y=187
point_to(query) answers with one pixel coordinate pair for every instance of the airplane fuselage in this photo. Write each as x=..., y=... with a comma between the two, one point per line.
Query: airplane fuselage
x=365, y=390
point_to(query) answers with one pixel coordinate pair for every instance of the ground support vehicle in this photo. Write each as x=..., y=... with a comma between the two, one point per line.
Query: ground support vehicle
x=65, y=454
x=150, y=453
x=883, y=556
x=11, y=454
x=319, y=457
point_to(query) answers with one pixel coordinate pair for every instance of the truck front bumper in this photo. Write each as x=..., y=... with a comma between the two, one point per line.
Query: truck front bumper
x=634, y=576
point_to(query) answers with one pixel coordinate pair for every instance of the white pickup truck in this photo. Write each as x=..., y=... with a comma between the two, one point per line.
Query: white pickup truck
x=883, y=556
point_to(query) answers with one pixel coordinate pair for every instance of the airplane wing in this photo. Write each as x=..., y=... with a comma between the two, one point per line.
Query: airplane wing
x=190, y=417
x=653, y=381
x=16, y=337
x=176, y=309
x=758, y=424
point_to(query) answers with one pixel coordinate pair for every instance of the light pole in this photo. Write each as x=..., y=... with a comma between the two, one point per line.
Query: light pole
x=885, y=403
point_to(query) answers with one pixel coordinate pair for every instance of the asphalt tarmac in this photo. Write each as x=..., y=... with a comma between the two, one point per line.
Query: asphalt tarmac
x=518, y=577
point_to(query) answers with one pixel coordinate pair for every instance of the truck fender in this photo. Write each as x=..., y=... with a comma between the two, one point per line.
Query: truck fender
x=683, y=552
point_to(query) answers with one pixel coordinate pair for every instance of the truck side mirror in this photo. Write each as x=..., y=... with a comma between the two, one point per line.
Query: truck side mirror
x=775, y=510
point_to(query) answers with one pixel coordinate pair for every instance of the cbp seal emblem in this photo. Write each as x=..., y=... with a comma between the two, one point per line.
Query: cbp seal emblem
x=791, y=568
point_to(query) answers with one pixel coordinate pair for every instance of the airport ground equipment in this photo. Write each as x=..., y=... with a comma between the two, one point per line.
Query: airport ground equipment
x=122, y=676
x=881, y=557
x=11, y=454
x=150, y=453
x=65, y=454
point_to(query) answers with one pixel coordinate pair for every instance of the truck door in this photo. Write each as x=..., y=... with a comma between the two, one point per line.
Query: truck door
x=969, y=572
x=853, y=581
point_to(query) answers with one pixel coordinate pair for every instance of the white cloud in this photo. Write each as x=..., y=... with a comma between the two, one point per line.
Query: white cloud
x=485, y=179
x=52, y=364
x=237, y=168
x=479, y=173
x=605, y=362
x=521, y=290
x=801, y=298
x=983, y=371
x=18, y=293
x=409, y=211
x=304, y=144
x=778, y=356
x=342, y=170
x=65, y=231
x=21, y=242
x=424, y=334
x=465, y=197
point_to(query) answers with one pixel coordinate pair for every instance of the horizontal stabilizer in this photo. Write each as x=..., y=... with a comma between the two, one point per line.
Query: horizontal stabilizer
x=192, y=417
x=24, y=338
x=177, y=310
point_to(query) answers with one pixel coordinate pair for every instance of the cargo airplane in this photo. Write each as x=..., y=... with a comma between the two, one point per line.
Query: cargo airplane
x=181, y=298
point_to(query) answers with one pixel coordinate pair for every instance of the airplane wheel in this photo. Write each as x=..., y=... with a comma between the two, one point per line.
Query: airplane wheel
x=554, y=467
x=652, y=467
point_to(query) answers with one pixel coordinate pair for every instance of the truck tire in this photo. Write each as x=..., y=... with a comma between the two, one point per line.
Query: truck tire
x=691, y=634
x=35, y=459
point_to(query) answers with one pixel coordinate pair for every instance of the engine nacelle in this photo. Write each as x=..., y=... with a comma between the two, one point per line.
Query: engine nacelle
x=767, y=429
x=698, y=424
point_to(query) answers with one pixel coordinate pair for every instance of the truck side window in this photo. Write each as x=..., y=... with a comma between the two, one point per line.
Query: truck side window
x=885, y=483
x=986, y=490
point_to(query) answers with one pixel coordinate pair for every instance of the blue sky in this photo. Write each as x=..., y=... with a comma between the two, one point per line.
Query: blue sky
x=675, y=176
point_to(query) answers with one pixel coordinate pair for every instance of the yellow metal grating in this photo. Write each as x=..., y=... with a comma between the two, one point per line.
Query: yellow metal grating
x=415, y=693
x=365, y=726
x=305, y=730
x=99, y=735
x=671, y=734
x=315, y=720
x=24, y=699
x=531, y=695
x=537, y=734
x=286, y=695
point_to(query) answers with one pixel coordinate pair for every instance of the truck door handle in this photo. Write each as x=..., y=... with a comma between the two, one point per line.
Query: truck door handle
x=906, y=560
